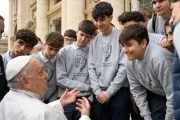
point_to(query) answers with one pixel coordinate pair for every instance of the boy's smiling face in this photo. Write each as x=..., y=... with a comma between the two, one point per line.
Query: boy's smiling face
x=133, y=49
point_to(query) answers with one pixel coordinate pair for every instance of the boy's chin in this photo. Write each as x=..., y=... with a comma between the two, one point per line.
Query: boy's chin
x=131, y=58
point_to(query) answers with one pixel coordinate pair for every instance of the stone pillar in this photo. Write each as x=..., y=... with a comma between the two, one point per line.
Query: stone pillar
x=127, y=5
x=22, y=13
x=63, y=16
x=135, y=5
x=10, y=25
x=41, y=19
x=118, y=8
x=75, y=13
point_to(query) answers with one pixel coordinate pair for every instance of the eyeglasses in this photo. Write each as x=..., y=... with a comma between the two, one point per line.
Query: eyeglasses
x=69, y=39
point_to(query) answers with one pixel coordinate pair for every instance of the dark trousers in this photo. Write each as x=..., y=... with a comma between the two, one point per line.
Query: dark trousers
x=157, y=105
x=135, y=113
x=70, y=111
x=118, y=108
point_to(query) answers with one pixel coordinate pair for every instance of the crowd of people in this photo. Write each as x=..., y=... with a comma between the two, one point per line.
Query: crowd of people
x=97, y=72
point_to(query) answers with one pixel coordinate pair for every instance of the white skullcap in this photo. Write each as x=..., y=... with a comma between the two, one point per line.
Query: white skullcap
x=15, y=65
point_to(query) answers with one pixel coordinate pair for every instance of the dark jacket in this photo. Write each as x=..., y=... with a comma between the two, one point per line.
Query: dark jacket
x=176, y=86
x=3, y=82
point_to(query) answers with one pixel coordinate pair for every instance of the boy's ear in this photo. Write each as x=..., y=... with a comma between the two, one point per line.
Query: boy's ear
x=144, y=43
x=77, y=32
x=111, y=17
x=13, y=41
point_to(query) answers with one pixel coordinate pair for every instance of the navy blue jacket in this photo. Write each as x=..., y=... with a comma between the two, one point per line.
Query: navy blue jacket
x=176, y=86
x=3, y=82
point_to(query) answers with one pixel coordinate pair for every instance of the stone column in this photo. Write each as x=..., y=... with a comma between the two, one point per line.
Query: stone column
x=63, y=16
x=135, y=5
x=10, y=25
x=41, y=19
x=75, y=13
x=118, y=8
x=127, y=5
x=22, y=13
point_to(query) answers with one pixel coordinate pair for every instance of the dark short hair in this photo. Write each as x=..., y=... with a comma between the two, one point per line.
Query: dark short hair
x=131, y=16
x=27, y=36
x=146, y=12
x=101, y=10
x=135, y=31
x=120, y=17
x=166, y=24
x=173, y=1
x=54, y=39
x=70, y=33
x=1, y=18
x=87, y=27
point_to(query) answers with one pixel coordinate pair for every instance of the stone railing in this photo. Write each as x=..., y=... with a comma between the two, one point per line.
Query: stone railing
x=3, y=46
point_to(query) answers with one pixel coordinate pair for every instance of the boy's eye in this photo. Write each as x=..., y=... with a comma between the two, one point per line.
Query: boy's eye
x=153, y=2
x=28, y=46
x=129, y=45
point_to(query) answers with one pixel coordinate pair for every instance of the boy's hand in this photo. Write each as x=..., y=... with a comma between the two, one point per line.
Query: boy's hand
x=83, y=106
x=69, y=97
x=101, y=98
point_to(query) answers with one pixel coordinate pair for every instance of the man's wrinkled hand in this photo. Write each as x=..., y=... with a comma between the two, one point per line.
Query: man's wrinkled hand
x=69, y=97
x=83, y=106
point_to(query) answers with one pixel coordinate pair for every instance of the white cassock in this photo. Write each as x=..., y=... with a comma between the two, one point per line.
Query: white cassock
x=24, y=105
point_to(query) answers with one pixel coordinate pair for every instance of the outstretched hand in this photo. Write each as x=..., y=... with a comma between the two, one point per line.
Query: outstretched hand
x=69, y=97
x=83, y=106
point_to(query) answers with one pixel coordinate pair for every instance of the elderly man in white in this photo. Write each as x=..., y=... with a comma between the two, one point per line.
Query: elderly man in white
x=27, y=81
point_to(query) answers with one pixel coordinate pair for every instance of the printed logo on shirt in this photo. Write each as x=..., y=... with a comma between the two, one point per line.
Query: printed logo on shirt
x=50, y=72
x=145, y=78
x=80, y=62
x=107, y=49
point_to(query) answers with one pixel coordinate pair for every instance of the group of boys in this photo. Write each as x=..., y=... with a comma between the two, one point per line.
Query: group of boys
x=116, y=64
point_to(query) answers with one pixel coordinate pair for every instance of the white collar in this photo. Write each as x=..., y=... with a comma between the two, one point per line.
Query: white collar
x=7, y=56
x=113, y=28
x=45, y=59
x=28, y=93
x=76, y=47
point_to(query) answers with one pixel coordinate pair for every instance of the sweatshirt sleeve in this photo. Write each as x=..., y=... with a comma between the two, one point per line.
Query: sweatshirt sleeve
x=139, y=93
x=61, y=73
x=120, y=78
x=163, y=71
x=156, y=38
x=92, y=72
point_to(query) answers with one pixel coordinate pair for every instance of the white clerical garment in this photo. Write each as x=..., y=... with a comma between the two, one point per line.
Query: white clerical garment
x=24, y=105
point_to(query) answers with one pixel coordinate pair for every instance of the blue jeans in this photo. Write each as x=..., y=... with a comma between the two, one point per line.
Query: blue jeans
x=71, y=113
x=118, y=107
x=157, y=105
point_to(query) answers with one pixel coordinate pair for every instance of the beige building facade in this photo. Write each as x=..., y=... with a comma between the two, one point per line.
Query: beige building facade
x=44, y=16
